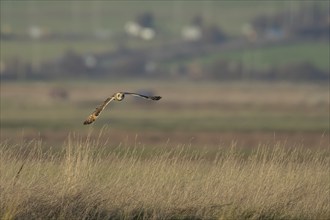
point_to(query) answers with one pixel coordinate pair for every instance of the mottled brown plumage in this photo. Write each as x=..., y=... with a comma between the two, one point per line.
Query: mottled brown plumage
x=119, y=96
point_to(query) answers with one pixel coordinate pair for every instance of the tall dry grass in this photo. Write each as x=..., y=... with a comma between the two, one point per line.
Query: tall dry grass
x=85, y=180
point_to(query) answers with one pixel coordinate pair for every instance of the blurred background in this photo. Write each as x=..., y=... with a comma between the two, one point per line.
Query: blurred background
x=230, y=72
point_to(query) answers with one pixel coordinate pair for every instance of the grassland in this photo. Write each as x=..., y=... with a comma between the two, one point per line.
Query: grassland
x=89, y=179
x=206, y=150
x=201, y=113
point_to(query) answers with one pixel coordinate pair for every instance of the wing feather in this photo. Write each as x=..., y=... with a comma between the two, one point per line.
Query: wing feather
x=92, y=117
x=143, y=96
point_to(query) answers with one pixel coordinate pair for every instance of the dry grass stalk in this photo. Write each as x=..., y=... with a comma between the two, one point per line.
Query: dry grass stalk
x=87, y=181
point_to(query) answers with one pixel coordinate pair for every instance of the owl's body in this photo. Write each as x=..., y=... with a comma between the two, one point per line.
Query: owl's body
x=119, y=96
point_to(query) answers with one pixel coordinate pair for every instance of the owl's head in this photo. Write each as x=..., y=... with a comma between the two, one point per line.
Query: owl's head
x=119, y=96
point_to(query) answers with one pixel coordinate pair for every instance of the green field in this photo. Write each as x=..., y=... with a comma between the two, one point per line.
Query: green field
x=82, y=17
x=38, y=52
x=317, y=53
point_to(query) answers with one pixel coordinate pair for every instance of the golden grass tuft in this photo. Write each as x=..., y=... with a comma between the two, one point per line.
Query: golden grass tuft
x=86, y=180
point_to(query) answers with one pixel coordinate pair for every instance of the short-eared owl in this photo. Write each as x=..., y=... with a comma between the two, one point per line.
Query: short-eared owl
x=119, y=96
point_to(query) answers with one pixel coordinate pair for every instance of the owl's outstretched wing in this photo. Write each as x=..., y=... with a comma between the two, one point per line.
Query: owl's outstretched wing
x=143, y=96
x=92, y=117
x=117, y=96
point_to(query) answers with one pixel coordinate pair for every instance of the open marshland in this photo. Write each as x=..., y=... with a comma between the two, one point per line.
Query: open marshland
x=205, y=151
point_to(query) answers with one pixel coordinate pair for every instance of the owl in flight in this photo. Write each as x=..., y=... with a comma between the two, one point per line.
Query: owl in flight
x=119, y=96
